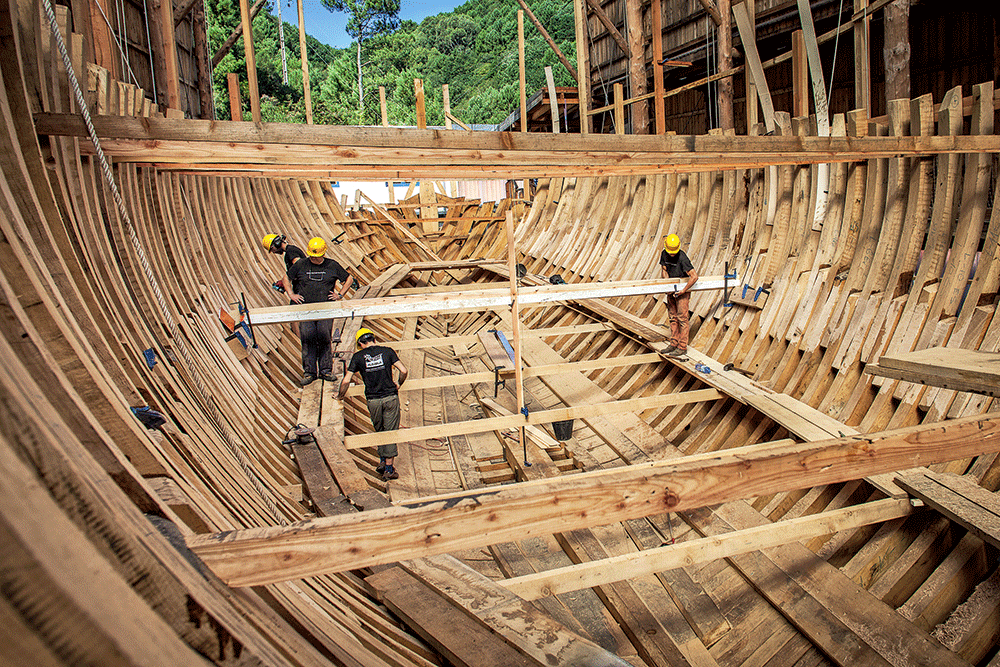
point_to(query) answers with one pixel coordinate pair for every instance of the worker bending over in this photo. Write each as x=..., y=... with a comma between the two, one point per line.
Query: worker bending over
x=373, y=364
x=275, y=243
x=674, y=263
x=314, y=281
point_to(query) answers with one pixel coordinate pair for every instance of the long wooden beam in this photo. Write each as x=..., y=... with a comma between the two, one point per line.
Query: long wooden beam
x=413, y=305
x=272, y=140
x=473, y=519
x=650, y=561
x=533, y=418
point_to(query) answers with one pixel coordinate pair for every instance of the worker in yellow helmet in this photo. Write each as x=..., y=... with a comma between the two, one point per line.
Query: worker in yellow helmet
x=315, y=280
x=674, y=263
x=373, y=364
x=275, y=243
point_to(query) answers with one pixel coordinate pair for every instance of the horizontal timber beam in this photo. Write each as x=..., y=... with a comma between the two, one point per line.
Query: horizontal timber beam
x=702, y=550
x=477, y=518
x=420, y=384
x=401, y=152
x=533, y=418
x=473, y=300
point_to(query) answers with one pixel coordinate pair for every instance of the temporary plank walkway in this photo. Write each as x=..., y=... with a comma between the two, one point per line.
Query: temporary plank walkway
x=959, y=499
x=949, y=368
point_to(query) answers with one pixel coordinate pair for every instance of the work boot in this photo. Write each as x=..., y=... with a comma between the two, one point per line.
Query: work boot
x=677, y=353
x=669, y=348
x=328, y=378
x=380, y=468
x=307, y=380
x=390, y=473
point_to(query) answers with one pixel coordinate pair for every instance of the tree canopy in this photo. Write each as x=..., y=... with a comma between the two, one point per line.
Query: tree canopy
x=472, y=49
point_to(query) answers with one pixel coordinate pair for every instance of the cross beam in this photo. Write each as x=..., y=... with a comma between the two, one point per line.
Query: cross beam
x=477, y=518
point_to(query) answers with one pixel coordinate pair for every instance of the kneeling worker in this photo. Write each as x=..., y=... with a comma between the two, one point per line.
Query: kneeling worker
x=314, y=281
x=373, y=364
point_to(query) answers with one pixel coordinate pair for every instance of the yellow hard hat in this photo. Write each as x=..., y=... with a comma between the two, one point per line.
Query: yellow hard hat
x=316, y=247
x=270, y=239
x=672, y=244
x=361, y=334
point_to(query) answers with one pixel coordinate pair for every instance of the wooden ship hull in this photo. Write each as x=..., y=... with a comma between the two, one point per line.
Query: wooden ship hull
x=746, y=511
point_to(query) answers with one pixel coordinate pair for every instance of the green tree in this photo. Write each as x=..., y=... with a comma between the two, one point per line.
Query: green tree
x=368, y=18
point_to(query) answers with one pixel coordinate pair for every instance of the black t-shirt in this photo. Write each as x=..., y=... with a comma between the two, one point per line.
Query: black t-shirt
x=292, y=253
x=375, y=365
x=315, y=281
x=678, y=265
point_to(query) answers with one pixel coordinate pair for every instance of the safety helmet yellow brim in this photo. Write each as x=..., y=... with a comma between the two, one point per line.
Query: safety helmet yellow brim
x=672, y=244
x=316, y=247
x=361, y=334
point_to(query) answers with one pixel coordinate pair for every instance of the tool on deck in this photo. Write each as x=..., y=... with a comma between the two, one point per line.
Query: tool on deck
x=303, y=436
x=731, y=367
x=726, y=277
x=245, y=318
x=278, y=287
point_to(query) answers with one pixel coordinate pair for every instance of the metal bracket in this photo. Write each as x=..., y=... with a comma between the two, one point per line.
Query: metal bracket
x=498, y=382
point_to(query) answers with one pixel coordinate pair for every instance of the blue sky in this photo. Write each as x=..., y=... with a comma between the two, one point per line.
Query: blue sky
x=328, y=27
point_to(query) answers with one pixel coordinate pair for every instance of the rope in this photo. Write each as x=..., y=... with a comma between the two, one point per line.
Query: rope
x=214, y=413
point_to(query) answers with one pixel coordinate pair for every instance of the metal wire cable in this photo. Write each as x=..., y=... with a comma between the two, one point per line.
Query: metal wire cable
x=214, y=413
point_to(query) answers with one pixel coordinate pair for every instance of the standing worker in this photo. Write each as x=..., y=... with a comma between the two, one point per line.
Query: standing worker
x=373, y=364
x=674, y=263
x=275, y=243
x=315, y=281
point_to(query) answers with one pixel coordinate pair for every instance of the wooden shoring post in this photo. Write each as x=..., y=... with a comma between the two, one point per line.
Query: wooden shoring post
x=382, y=105
x=235, y=105
x=183, y=11
x=822, y=105
x=551, y=42
x=205, y=97
x=800, y=76
x=445, y=100
x=749, y=38
x=659, y=110
x=639, y=111
x=306, y=89
x=521, y=78
x=418, y=89
x=515, y=322
x=862, y=59
x=619, y=93
x=251, y=60
x=751, y=87
x=609, y=25
x=553, y=101
x=582, y=64
x=235, y=35
x=168, y=41
x=897, y=50
x=726, y=116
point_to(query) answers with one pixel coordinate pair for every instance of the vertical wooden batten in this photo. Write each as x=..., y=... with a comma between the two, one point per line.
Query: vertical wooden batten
x=583, y=64
x=659, y=111
x=306, y=90
x=235, y=105
x=522, y=83
x=251, y=60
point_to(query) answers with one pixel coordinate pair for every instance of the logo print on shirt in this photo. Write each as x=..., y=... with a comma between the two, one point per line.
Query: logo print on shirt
x=374, y=363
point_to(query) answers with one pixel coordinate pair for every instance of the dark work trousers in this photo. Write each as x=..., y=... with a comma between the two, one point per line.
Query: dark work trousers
x=317, y=357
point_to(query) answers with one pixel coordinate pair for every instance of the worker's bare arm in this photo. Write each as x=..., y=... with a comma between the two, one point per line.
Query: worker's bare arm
x=402, y=373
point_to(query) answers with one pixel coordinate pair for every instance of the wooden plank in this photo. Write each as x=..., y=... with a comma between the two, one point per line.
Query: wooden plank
x=318, y=482
x=948, y=367
x=459, y=638
x=958, y=498
x=497, y=353
x=469, y=301
x=534, y=634
x=534, y=418
x=260, y=555
x=693, y=552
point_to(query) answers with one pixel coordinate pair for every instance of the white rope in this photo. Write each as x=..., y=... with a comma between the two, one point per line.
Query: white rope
x=214, y=412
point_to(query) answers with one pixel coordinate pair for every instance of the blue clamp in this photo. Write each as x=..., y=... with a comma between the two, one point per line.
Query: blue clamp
x=745, y=288
x=524, y=411
x=731, y=276
x=150, y=357
x=760, y=290
x=702, y=368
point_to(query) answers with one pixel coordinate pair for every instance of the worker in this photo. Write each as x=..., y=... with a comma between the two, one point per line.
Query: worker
x=372, y=364
x=314, y=280
x=275, y=243
x=674, y=263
